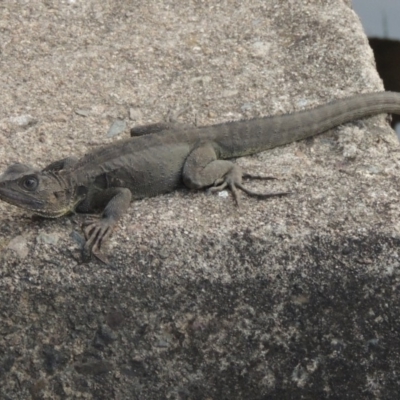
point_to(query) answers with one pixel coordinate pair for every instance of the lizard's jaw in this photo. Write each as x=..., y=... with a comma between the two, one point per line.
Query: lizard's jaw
x=30, y=202
x=20, y=199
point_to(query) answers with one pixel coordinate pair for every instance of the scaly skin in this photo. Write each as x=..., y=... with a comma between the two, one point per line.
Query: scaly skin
x=158, y=158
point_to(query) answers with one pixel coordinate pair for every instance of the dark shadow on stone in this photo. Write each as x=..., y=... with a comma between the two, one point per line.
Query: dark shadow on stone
x=320, y=320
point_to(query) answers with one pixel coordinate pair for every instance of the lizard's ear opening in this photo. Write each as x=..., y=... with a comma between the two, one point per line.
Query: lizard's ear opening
x=29, y=182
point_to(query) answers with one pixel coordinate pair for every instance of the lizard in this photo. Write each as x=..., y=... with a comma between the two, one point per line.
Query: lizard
x=161, y=157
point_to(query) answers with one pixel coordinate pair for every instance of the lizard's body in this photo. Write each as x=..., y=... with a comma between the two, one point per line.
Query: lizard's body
x=160, y=157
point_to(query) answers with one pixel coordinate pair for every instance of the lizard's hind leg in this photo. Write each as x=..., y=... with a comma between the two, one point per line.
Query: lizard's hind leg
x=203, y=169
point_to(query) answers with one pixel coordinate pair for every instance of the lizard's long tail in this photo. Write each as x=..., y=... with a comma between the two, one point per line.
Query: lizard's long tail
x=252, y=136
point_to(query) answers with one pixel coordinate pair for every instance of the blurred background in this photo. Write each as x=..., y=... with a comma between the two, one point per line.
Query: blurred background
x=381, y=21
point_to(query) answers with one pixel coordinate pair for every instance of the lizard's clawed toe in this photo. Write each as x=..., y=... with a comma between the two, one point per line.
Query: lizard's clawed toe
x=259, y=177
x=233, y=181
x=96, y=233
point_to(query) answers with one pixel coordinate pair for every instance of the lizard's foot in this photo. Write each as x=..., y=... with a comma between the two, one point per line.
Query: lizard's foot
x=233, y=181
x=96, y=231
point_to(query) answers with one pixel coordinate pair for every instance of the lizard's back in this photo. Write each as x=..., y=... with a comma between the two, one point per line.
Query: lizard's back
x=153, y=163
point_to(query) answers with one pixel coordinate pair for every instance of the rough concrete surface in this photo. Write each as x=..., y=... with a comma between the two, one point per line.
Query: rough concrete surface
x=288, y=298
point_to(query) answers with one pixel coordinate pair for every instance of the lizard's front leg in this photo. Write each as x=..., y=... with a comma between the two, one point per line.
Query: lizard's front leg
x=202, y=169
x=114, y=202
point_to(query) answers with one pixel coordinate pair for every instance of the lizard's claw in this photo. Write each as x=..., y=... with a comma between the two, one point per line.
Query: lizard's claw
x=96, y=231
x=233, y=181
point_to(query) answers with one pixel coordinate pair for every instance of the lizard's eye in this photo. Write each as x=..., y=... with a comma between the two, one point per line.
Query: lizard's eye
x=30, y=183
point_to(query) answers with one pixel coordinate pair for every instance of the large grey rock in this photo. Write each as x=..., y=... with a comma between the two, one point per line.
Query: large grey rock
x=288, y=298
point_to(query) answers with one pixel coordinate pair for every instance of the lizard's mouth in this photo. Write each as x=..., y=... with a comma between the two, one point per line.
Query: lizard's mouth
x=30, y=203
x=20, y=199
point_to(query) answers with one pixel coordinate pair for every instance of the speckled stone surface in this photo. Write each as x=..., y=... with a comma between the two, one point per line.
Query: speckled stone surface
x=289, y=298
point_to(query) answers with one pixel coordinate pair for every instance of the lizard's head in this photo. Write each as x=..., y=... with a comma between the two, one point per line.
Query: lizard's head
x=44, y=193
